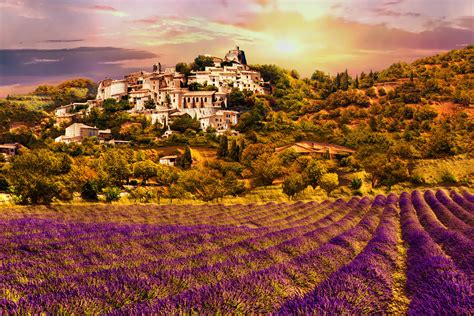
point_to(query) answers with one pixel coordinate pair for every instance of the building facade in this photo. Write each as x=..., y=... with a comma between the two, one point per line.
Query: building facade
x=162, y=92
x=77, y=132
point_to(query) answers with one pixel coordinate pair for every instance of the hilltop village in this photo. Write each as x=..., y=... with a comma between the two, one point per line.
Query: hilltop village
x=165, y=94
x=219, y=128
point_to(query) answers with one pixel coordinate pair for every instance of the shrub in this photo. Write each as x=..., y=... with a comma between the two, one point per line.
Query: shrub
x=3, y=183
x=346, y=98
x=145, y=170
x=141, y=194
x=448, y=177
x=356, y=184
x=329, y=182
x=417, y=179
x=90, y=190
x=293, y=184
x=112, y=194
x=371, y=92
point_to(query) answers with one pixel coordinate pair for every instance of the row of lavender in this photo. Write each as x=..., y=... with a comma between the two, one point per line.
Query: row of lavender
x=339, y=257
x=47, y=260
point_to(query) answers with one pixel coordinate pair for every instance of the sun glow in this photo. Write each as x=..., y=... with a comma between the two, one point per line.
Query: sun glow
x=287, y=46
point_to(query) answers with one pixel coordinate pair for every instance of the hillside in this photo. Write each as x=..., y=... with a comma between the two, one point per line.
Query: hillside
x=388, y=255
x=397, y=123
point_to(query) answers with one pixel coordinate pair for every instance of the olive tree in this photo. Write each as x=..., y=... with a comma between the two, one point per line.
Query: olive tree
x=39, y=176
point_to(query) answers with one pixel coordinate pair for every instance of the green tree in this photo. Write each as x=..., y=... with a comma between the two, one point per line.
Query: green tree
x=313, y=172
x=266, y=168
x=185, y=122
x=115, y=164
x=319, y=76
x=384, y=169
x=371, y=92
x=294, y=74
x=90, y=190
x=166, y=175
x=185, y=160
x=253, y=151
x=112, y=194
x=329, y=182
x=204, y=184
x=237, y=98
x=222, y=151
x=201, y=62
x=356, y=184
x=183, y=68
x=232, y=185
x=112, y=106
x=150, y=104
x=85, y=177
x=355, y=84
x=394, y=172
x=441, y=143
x=345, y=80
x=234, y=152
x=145, y=170
x=142, y=194
x=270, y=73
x=38, y=176
x=293, y=184
x=195, y=86
x=253, y=120
x=175, y=191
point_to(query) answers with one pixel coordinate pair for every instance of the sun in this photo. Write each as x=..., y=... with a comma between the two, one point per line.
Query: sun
x=287, y=46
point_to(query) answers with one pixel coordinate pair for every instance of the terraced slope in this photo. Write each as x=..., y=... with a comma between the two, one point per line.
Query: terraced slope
x=412, y=253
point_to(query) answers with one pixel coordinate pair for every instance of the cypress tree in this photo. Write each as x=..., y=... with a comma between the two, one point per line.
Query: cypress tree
x=338, y=81
x=234, y=151
x=345, y=81
x=356, y=82
x=187, y=158
x=222, y=151
x=241, y=150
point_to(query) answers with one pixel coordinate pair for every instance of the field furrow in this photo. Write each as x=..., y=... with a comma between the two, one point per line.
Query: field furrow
x=411, y=254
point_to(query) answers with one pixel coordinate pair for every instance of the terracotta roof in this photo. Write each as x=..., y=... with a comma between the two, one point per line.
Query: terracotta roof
x=139, y=91
x=221, y=112
x=198, y=93
x=9, y=146
x=83, y=126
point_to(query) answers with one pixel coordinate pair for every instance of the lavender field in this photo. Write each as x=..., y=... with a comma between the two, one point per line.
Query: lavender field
x=412, y=253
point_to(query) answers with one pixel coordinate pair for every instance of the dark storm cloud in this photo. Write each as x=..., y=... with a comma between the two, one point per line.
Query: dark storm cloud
x=32, y=65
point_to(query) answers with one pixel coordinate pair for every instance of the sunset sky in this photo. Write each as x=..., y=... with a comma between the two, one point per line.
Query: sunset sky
x=51, y=40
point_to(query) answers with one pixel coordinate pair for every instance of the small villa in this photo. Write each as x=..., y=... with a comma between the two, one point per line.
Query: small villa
x=168, y=160
x=9, y=149
x=77, y=132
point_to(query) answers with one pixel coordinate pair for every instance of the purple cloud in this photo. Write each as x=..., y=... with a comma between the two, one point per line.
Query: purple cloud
x=30, y=65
